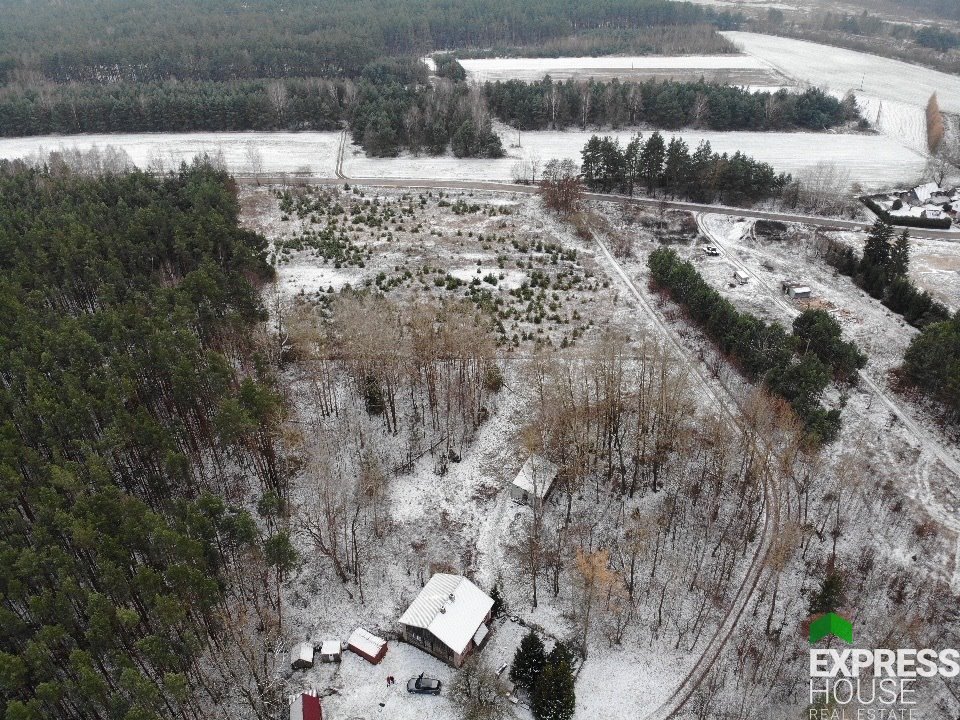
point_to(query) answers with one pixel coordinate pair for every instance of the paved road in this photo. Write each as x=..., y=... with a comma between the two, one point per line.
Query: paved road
x=433, y=184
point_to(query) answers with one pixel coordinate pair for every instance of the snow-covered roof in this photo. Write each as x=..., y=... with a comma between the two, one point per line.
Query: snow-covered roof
x=451, y=607
x=366, y=641
x=799, y=289
x=302, y=651
x=536, y=471
x=330, y=647
x=923, y=192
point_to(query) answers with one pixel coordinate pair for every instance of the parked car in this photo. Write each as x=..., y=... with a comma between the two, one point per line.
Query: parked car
x=711, y=250
x=423, y=685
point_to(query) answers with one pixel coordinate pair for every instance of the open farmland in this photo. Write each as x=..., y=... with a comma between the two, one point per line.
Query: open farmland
x=277, y=152
x=875, y=161
x=729, y=69
x=842, y=70
x=872, y=160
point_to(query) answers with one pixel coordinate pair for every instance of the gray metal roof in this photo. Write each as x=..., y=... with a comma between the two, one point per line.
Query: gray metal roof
x=451, y=607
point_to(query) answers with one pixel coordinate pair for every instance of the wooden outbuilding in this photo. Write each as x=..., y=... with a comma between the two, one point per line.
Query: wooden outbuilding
x=367, y=645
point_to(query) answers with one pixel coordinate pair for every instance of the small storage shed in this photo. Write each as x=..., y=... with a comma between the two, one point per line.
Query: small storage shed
x=796, y=291
x=367, y=645
x=330, y=651
x=740, y=277
x=535, y=480
x=301, y=657
x=305, y=706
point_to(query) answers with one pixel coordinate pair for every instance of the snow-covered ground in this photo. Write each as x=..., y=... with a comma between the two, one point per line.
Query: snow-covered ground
x=883, y=335
x=842, y=70
x=897, y=120
x=290, y=152
x=875, y=161
x=736, y=68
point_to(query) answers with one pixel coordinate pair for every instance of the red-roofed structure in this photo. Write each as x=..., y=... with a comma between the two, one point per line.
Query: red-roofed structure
x=306, y=706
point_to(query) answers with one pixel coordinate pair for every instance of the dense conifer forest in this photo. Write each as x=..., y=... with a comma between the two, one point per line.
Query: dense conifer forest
x=132, y=393
x=221, y=40
x=323, y=65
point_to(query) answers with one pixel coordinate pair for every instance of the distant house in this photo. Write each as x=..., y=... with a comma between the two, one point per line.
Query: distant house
x=330, y=651
x=367, y=645
x=449, y=618
x=925, y=191
x=301, y=657
x=305, y=706
x=535, y=479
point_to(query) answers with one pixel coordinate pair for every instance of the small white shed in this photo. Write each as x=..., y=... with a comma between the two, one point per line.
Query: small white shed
x=740, y=277
x=800, y=292
x=535, y=480
x=301, y=657
x=331, y=651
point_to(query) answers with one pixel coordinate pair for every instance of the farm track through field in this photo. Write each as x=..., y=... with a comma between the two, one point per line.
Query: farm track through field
x=931, y=448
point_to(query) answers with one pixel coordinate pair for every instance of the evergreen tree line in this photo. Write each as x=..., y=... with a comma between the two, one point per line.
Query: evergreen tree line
x=127, y=309
x=658, y=166
x=558, y=105
x=387, y=118
x=225, y=40
x=797, y=367
x=882, y=271
x=547, y=677
x=398, y=91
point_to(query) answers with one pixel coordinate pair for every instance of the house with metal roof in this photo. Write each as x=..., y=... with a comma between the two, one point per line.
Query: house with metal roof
x=449, y=619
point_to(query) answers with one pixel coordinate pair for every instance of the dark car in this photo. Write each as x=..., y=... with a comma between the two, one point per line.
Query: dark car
x=423, y=685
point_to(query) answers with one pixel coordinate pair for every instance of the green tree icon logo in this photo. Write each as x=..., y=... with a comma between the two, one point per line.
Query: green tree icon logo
x=831, y=624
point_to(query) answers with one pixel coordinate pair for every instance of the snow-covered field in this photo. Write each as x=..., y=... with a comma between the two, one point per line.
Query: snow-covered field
x=738, y=69
x=315, y=152
x=898, y=120
x=892, y=98
x=842, y=70
x=875, y=161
